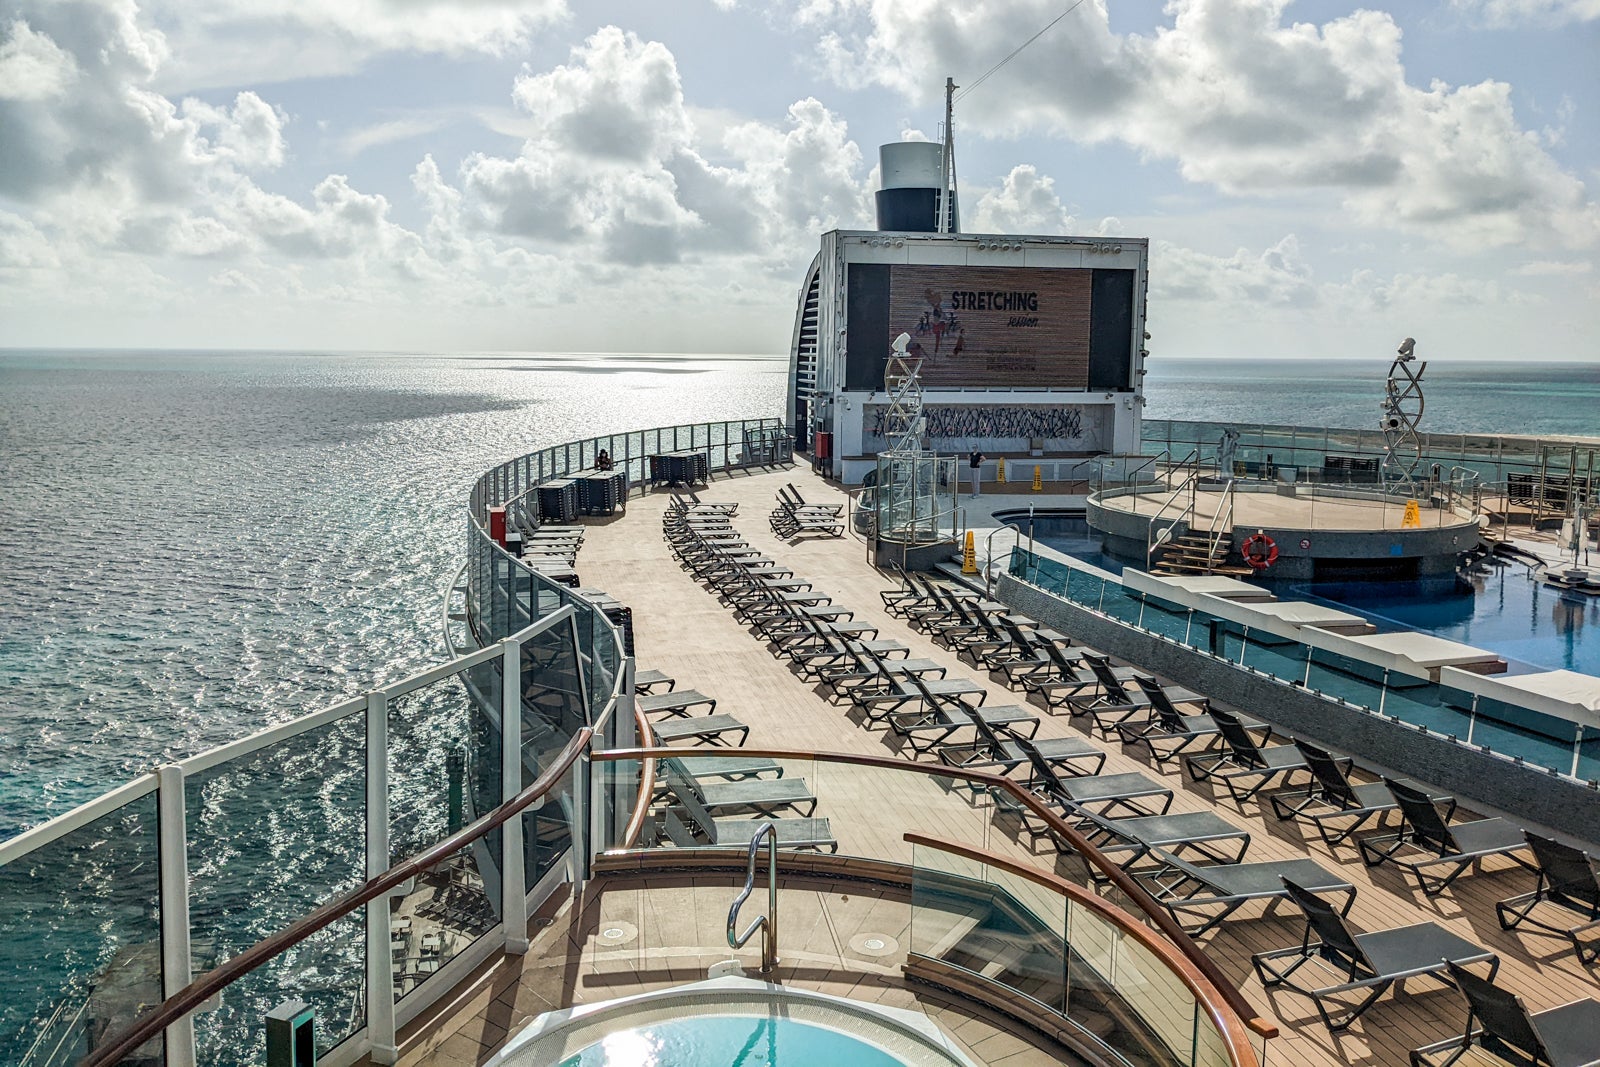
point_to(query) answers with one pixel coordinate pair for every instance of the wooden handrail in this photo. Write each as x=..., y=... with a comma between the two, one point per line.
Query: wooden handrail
x=1157, y=915
x=1227, y=1021
x=214, y=981
x=647, y=783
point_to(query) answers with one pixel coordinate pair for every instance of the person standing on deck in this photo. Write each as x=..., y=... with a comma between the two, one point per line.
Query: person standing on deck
x=975, y=461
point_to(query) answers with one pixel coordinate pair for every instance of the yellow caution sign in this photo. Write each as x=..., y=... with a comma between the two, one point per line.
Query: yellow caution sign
x=1413, y=515
x=1001, y=476
x=969, y=558
x=1038, y=479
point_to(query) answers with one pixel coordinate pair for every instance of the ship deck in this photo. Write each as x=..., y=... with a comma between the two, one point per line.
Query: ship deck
x=682, y=630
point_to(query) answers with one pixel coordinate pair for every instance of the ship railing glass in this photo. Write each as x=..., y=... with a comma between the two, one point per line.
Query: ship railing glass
x=117, y=904
x=1075, y=935
x=1520, y=734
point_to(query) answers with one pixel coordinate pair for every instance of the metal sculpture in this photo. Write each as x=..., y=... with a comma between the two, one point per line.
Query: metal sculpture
x=1402, y=411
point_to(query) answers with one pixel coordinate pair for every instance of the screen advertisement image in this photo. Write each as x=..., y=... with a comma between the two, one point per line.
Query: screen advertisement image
x=998, y=327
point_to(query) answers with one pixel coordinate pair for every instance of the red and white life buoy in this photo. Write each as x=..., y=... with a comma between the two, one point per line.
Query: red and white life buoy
x=1260, y=551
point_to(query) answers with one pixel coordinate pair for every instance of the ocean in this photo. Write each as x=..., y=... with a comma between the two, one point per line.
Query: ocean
x=197, y=545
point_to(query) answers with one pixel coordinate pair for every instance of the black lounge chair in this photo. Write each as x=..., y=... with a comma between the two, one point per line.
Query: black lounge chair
x=1168, y=731
x=677, y=702
x=1201, y=897
x=761, y=796
x=1128, y=840
x=688, y=828
x=940, y=716
x=861, y=669
x=1456, y=847
x=1567, y=879
x=1242, y=757
x=1002, y=748
x=1114, y=705
x=1100, y=793
x=907, y=592
x=1366, y=963
x=1333, y=796
x=893, y=692
x=646, y=681
x=706, y=728
x=832, y=509
x=1069, y=677
x=1568, y=1036
x=733, y=767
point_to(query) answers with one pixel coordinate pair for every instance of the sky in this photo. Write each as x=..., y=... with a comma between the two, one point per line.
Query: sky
x=1318, y=180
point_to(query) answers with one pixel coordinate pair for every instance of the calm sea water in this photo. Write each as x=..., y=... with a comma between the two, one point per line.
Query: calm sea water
x=197, y=545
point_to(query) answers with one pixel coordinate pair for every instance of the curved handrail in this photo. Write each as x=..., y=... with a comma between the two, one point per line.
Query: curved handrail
x=214, y=981
x=1227, y=1021
x=1157, y=915
x=647, y=784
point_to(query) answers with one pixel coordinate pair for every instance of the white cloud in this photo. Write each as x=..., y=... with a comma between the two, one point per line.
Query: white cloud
x=32, y=66
x=234, y=42
x=613, y=167
x=1501, y=13
x=1277, y=276
x=388, y=132
x=1549, y=268
x=1243, y=101
x=1025, y=203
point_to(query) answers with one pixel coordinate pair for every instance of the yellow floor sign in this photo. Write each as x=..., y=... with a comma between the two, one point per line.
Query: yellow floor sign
x=969, y=558
x=1413, y=516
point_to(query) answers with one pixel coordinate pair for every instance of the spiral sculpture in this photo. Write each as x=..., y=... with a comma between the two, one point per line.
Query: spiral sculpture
x=1402, y=411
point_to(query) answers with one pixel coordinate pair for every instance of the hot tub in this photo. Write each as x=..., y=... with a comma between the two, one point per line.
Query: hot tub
x=727, y=1021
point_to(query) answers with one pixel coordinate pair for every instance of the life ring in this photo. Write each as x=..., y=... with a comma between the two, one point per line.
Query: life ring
x=1260, y=551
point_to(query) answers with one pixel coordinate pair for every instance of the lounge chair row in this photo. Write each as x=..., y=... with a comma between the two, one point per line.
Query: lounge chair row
x=793, y=516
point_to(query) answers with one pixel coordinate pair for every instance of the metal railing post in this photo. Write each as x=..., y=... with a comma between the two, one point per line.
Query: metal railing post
x=380, y=979
x=768, y=923
x=172, y=850
x=513, y=876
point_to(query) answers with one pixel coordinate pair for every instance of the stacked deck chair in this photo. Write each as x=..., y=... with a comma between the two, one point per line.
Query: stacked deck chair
x=1364, y=965
x=1567, y=880
x=1201, y=897
x=793, y=517
x=1427, y=844
x=1499, y=1022
x=1333, y=797
x=1243, y=765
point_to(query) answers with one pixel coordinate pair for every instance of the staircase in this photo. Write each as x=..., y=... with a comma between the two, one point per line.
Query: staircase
x=1193, y=553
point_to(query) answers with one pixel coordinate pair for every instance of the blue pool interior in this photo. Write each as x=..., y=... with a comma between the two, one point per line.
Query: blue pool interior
x=727, y=1040
x=1534, y=627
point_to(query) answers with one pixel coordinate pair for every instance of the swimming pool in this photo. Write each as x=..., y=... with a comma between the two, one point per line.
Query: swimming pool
x=1533, y=626
x=731, y=1020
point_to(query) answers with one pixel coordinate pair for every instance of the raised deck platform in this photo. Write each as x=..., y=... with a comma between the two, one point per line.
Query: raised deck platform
x=1320, y=531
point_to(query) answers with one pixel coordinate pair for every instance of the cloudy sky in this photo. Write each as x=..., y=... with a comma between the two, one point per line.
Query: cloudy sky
x=1317, y=179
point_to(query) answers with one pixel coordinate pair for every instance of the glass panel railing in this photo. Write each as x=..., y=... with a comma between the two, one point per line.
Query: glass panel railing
x=444, y=771
x=547, y=830
x=274, y=833
x=1022, y=931
x=80, y=938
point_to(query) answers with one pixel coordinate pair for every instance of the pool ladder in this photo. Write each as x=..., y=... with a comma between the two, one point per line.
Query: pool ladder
x=768, y=923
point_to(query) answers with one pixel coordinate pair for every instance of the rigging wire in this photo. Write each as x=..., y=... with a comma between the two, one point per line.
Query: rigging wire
x=985, y=76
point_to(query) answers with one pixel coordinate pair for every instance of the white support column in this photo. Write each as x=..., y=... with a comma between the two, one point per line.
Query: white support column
x=173, y=857
x=513, y=878
x=380, y=975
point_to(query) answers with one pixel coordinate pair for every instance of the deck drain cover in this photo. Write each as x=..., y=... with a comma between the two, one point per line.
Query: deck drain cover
x=874, y=945
x=616, y=932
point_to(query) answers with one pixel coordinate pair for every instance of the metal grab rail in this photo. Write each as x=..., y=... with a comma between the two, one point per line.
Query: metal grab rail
x=1191, y=482
x=768, y=923
x=1221, y=523
x=197, y=992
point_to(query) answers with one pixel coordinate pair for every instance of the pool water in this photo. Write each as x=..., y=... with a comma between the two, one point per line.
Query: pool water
x=731, y=1041
x=1533, y=626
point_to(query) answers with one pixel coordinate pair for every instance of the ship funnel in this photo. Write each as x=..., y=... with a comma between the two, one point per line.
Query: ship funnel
x=912, y=183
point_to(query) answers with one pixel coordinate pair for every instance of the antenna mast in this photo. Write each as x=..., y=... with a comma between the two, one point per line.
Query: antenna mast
x=947, y=190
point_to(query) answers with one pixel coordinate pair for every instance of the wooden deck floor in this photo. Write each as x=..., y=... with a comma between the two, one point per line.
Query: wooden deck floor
x=682, y=630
